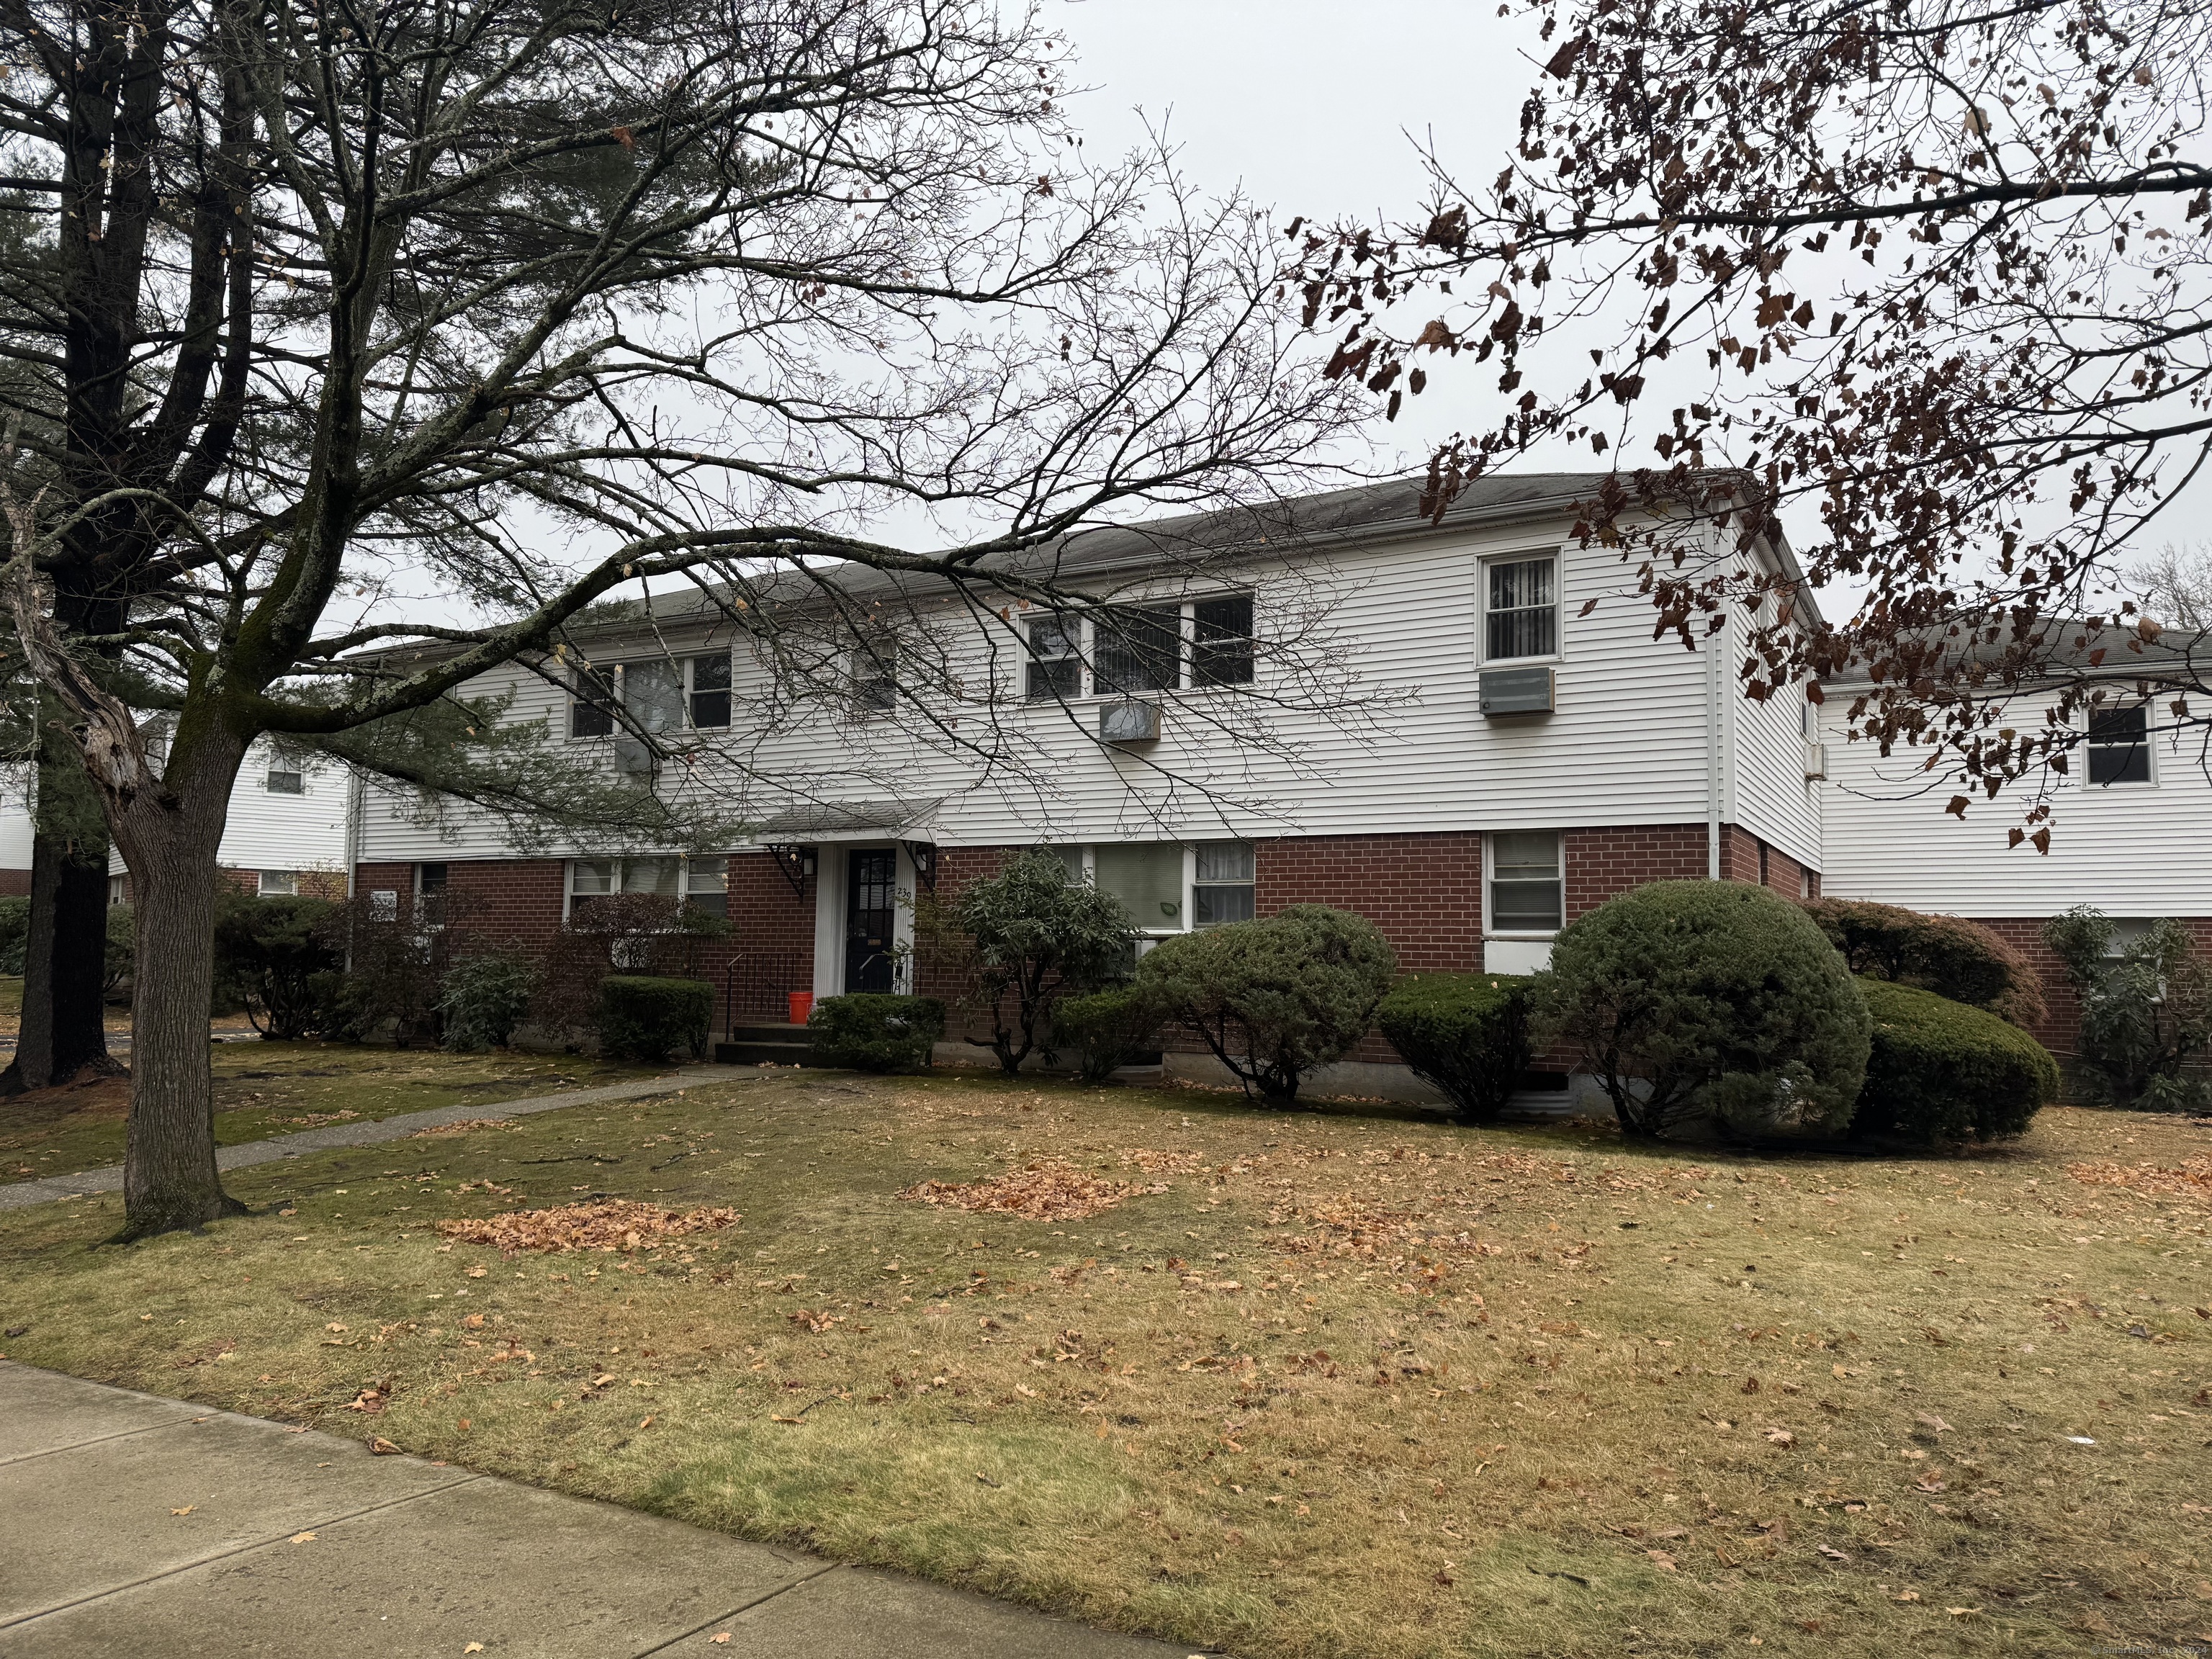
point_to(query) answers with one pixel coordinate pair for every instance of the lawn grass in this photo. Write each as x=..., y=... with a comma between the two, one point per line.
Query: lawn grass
x=1351, y=1386
x=264, y=1089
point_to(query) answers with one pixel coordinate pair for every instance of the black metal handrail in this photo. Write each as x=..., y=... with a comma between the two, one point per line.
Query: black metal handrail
x=756, y=985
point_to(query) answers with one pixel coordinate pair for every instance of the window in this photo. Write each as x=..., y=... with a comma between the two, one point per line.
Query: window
x=710, y=691
x=663, y=695
x=384, y=904
x=1521, y=611
x=875, y=674
x=1055, y=664
x=285, y=779
x=118, y=893
x=1526, y=894
x=706, y=885
x=1222, y=648
x=1147, y=878
x=429, y=880
x=2119, y=744
x=592, y=879
x=278, y=884
x=1137, y=648
x=1221, y=884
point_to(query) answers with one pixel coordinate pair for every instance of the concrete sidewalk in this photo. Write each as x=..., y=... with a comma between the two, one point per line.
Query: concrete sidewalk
x=131, y=1524
x=47, y=1189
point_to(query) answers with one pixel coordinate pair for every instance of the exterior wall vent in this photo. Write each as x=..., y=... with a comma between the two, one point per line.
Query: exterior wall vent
x=1128, y=721
x=1517, y=692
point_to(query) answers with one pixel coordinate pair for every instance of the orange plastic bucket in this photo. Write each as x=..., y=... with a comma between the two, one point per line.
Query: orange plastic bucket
x=802, y=1006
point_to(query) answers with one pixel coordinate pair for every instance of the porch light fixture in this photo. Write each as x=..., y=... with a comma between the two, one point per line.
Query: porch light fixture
x=797, y=864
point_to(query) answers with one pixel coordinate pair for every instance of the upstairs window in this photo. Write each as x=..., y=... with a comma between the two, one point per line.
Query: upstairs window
x=1055, y=664
x=1221, y=645
x=285, y=778
x=1525, y=893
x=710, y=691
x=661, y=695
x=1521, y=608
x=875, y=674
x=1221, y=884
x=2119, y=744
x=1137, y=648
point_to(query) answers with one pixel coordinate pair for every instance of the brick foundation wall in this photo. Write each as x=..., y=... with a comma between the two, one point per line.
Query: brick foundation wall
x=2060, y=1031
x=15, y=884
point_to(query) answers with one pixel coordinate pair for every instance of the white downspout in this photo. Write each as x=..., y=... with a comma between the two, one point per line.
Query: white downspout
x=1713, y=753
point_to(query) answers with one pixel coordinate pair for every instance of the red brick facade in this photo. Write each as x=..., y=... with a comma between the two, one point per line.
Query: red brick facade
x=15, y=884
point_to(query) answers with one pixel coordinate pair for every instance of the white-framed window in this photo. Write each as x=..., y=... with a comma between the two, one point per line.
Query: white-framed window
x=2118, y=746
x=1521, y=607
x=700, y=880
x=1221, y=884
x=1528, y=890
x=1137, y=648
x=873, y=667
x=658, y=694
x=277, y=884
x=285, y=778
x=1166, y=886
x=430, y=880
x=118, y=891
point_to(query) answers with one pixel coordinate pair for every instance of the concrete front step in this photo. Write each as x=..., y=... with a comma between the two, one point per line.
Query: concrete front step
x=766, y=1045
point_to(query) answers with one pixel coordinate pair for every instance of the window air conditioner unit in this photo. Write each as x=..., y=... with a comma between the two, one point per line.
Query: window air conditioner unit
x=1816, y=763
x=1516, y=691
x=1128, y=721
x=635, y=759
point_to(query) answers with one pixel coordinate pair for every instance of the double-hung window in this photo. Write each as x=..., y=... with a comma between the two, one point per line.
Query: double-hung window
x=700, y=881
x=285, y=778
x=1221, y=644
x=660, y=694
x=1055, y=669
x=2119, y=744
x=1527, y=895
x=1521, y=608
x=706, y=885
x=1137, y=649
x=875, y=673
x=1221, y=884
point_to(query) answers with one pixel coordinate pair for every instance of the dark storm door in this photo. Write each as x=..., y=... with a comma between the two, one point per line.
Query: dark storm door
x=870, y=878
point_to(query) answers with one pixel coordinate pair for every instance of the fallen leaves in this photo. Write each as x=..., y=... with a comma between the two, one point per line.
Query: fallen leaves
x=2191, y=1179
x=1780, y=1437
x=382, y=1447
x=187, y=1510
x=303, y=1538
x=1043, y=1189
x=608, y=1224
x=466, y=1125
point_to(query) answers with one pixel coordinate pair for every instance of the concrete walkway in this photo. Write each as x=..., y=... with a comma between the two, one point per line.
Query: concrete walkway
x=134, y=1524
x=109, y=1180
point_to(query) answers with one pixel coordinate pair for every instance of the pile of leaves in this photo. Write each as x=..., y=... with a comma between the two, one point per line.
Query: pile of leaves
x=610, y=1224
x=2191, y=1180
x=465, y=1125
x=1152, y=1163
x=1043, y=1189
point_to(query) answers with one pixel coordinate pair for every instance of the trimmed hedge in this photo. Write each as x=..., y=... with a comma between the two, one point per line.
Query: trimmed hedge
x=1956, y=958
x=874, y=1031
x=1468, y=1034
x=1275, y=998
x=1944, y=1070
x=1110, y=1029
x=643, y=1018
x=1709, y=1002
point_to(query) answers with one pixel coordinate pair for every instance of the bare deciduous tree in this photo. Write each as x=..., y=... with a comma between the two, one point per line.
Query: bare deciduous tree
x=1929, y=274
x=540, y=298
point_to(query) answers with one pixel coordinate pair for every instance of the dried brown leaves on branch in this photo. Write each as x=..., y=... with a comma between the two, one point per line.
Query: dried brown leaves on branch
x=1928, y=281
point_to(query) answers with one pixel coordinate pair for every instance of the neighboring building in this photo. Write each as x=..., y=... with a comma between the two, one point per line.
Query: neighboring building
x=1530, y=755
x=286, y=833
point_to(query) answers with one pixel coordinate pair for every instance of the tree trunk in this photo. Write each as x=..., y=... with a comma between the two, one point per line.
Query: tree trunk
x=63, y=1028
x=169, y=837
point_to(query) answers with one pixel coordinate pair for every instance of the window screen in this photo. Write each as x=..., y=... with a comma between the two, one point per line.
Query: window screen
x=286, y=780
x=2119, y=746
x=1522, y=616
x=652, y=693
x=1222, y=888
x=875, y=674
x=1525, y=889
x=1139, y=649
x=1055, y=664
x=278, y=884
x=710, y=690
x=1221, y=652
x=659, y=876
x=1147, y=878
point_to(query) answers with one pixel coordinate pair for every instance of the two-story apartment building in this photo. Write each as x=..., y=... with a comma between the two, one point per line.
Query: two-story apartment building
x=1465, y=731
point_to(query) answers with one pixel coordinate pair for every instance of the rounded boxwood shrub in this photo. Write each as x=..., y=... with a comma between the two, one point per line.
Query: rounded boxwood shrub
x=1954, y=958
x=873, y=1031
x=1274, y=997
x=1945, y=1070
x=1712, y=1001
x=1109, y=1028
x=1466, y=1034
x=644, y=1019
